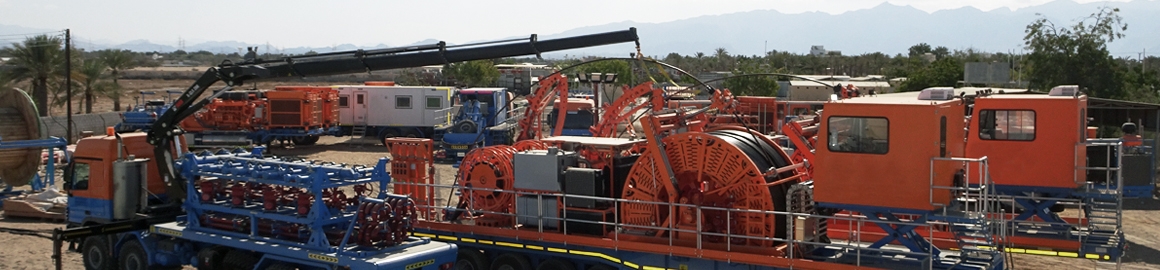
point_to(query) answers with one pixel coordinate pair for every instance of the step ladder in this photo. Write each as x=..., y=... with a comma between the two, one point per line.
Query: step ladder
x=1104, y=237
x=358, y=131
x=977, y=245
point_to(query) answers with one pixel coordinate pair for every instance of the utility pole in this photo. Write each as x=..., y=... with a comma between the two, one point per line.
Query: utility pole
x=68, y=84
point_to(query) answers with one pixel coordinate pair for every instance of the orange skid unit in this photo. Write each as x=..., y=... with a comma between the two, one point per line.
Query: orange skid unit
x=328, y=101
x=224, y=114
x=878, y=152
x=294, y=109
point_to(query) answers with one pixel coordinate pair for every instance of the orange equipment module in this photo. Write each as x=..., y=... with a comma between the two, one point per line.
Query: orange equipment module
x=1005, y=129
x=325, y=106
x=234, y=111
x=875, y=151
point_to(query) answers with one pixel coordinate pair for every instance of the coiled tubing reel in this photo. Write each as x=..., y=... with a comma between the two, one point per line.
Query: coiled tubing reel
x=18, y=122
x=486, y=176
x=728, y=168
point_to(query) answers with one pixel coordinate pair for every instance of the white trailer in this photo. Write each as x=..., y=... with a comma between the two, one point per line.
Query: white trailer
x=393, y=111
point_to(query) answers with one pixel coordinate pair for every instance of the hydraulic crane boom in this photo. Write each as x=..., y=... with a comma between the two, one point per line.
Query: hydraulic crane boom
x=252, y=69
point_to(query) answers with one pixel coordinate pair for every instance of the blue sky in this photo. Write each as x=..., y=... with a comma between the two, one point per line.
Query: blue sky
x=293, y=23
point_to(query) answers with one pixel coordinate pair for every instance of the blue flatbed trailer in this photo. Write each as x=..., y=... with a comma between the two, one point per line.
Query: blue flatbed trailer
x=416, y=253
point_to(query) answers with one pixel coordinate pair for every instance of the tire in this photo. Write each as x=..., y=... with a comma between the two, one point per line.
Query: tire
x=556, y=264
x=470, y=259
x=305, y=140
x=98, y=254
x=465, y=127
x=414, y=133
x=239, y=260
x=211, y=258
x=133, y=256
x=511, y=261
x=387, y=133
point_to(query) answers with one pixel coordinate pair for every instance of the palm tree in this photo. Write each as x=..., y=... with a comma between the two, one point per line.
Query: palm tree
x=93, y=72
x=37, y=59
x=117, y=60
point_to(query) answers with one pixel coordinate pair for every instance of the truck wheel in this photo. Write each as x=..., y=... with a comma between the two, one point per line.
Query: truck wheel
x=211, y=258
x=413, y=134
x=555, y=264
x=239, y=260
x=305, y=140
x=97, y=253
x=470, y=259
x=133, y=256
x=511, y=261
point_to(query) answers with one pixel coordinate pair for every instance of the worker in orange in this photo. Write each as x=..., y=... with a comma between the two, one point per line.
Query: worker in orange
x=1130, y=138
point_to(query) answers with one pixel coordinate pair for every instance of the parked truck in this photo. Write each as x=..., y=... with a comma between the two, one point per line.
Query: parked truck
x=137, y=202
x=482, y=119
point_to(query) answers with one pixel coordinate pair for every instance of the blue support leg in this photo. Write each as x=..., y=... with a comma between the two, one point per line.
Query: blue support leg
x=1042, y=210
x=904, y=234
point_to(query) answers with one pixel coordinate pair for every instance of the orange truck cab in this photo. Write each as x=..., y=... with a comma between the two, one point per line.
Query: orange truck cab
x=105, y=181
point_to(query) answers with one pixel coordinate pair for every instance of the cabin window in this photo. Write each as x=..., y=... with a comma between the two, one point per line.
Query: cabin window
x=869, y=135
x=79, y=176
x=1007, y=125
x=434, y=102
x=344, y=101
x=402, y=102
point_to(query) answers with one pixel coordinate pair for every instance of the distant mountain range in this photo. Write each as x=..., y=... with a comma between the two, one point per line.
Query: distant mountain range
x=885, y=28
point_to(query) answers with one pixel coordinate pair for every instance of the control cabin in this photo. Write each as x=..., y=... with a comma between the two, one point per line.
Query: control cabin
x=875, y=151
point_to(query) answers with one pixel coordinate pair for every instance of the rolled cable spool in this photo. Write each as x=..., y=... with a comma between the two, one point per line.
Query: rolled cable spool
x=18, y=122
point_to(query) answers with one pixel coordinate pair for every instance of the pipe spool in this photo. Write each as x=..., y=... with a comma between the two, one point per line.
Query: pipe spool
x=18, y=122
x=724, y=168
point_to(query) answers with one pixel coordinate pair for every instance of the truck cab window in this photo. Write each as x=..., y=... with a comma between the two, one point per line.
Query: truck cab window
x=79, y=176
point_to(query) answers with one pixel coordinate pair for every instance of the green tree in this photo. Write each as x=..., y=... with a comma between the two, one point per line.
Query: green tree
x=1077, y=54
x=92, y=82
x=38, y=59
x=919, y=49
x=117, y=60
x=941, y=72
x=473, y=73
x=758, y=85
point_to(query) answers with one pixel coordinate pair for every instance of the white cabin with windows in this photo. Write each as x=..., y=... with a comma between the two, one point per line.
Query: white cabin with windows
x=394, y=106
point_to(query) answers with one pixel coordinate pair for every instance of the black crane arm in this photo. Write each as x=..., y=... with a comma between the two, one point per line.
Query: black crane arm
x=166, y=127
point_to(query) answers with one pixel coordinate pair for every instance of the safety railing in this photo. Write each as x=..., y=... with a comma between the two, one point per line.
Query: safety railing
x=548, y=220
